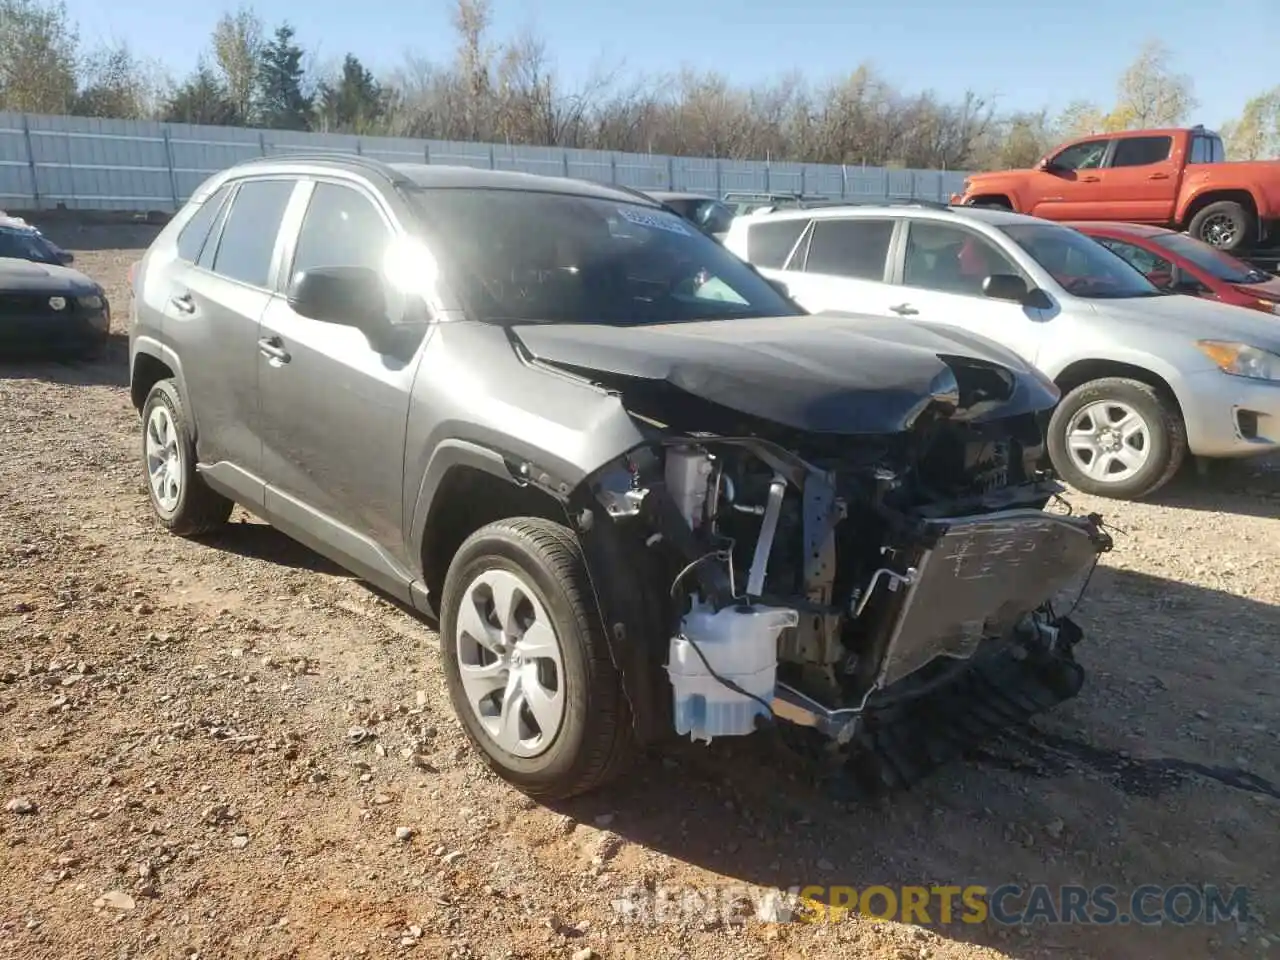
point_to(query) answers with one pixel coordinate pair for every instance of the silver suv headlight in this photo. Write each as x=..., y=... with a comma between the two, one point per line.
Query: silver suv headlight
x=1241, y=359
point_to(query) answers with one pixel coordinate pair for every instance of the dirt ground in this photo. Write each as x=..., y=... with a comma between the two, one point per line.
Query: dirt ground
x=210, y=749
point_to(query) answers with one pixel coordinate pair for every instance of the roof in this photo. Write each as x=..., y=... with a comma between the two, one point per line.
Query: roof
x=434, y=176
x=664, y=195
x=428, y=176
x=986, y=215
x=1128, y=229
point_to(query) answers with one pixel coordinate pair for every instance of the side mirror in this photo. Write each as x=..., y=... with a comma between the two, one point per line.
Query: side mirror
x=351, y=296
x=65, y=257
x=781, y=287
x=1044, y=164
x=1163, y=280
x=1005, y=286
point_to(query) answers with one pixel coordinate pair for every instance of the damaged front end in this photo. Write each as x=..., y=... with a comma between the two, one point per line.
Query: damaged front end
x=894, y=592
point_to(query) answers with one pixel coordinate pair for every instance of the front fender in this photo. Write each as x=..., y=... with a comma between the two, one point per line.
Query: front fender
x=447, y=455
x=1128, y=356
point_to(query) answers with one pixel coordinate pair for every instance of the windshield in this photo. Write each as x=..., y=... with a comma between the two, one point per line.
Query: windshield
x=1080, y=265
x=519, y=255
x=1221, y=266
x=26, y=245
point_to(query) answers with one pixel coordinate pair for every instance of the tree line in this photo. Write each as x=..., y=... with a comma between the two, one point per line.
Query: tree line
x=507, y=90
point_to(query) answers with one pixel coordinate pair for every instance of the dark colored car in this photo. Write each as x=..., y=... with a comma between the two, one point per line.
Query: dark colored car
x=708, y=214
x=600, y=447
x=1181, y=263
x=21, y=241
x=46, y=308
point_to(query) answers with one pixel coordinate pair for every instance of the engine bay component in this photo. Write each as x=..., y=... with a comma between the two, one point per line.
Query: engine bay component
x=723, y=665
x=900, y=547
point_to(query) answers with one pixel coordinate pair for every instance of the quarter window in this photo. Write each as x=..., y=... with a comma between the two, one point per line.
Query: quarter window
x=1141, y=151
x=249, y=234
x=769, y=244
x=849, y=248
x=192, y=238
x=949, y=259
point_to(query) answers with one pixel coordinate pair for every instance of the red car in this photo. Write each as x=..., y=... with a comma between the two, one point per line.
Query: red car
x=1178, y=262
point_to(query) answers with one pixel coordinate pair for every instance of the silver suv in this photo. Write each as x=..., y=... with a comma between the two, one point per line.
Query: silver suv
x=641, y=490
x=1147, y=376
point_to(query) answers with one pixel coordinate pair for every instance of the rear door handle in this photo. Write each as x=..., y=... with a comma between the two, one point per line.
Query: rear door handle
x=184, y=302
x=1158, y=176
x=1090, y=179
x=273, y=349
x=905, y=310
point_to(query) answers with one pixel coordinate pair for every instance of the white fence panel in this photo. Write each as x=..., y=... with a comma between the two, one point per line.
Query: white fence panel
x=49, y=162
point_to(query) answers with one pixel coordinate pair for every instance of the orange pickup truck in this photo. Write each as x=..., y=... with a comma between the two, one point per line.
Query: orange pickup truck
x=1177, y=178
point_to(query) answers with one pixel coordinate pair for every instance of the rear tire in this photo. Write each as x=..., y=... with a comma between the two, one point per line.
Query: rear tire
x=1226, y=224
x=570, y=731
x=1117, y=438
x=183, y=503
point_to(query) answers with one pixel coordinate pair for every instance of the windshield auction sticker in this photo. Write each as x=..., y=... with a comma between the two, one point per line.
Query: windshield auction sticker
x=658, y=221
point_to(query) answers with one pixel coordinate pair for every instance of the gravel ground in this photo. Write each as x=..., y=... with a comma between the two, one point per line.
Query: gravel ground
x=232, y=749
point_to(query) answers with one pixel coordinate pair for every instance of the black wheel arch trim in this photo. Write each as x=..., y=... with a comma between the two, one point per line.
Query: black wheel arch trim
x=631, y=620
x=151, y=347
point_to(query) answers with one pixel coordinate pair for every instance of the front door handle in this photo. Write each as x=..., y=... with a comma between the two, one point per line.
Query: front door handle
x=184, y=302
x=1090, y=179
x=905, y=310
x=273, y=349
x=1158, y=176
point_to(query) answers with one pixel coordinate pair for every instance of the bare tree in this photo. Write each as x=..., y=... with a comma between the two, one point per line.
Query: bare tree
x=1150, y=93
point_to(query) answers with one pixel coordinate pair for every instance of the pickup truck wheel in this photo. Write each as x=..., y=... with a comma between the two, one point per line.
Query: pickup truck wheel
x=180, y=498
x=527, y=663
x=1226, y=225
x=1116, y=438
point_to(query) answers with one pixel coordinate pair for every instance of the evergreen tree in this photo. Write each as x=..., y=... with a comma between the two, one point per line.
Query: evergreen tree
x=281, y=103
x=355, y=104
x=202, y=99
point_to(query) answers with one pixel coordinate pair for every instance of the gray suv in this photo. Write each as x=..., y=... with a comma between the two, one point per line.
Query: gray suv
x=642, y=492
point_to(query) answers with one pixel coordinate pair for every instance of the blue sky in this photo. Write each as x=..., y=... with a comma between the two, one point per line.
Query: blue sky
x=1054, y=52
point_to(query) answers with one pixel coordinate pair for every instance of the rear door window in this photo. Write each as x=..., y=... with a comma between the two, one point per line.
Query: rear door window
x=249, y=234
x=769, y=243
x=1141, y=151
x=854, y=248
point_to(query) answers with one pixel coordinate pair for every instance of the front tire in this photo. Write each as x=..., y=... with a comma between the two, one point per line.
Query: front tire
x=180, y=498
x=1118, y=438
x=1227, y=225
x=527, y=663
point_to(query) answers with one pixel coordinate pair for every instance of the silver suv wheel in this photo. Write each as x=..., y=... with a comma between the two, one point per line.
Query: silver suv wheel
x=1109, y=441
x=510, y=663
x=164, y=462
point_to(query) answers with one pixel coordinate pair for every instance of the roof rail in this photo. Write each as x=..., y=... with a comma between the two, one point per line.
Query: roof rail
x=334, y=156
x=878, y=202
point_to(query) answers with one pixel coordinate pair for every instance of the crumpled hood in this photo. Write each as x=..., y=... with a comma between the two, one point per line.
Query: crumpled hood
x=25, y=276
x=836, y=373
x=1196, y=319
